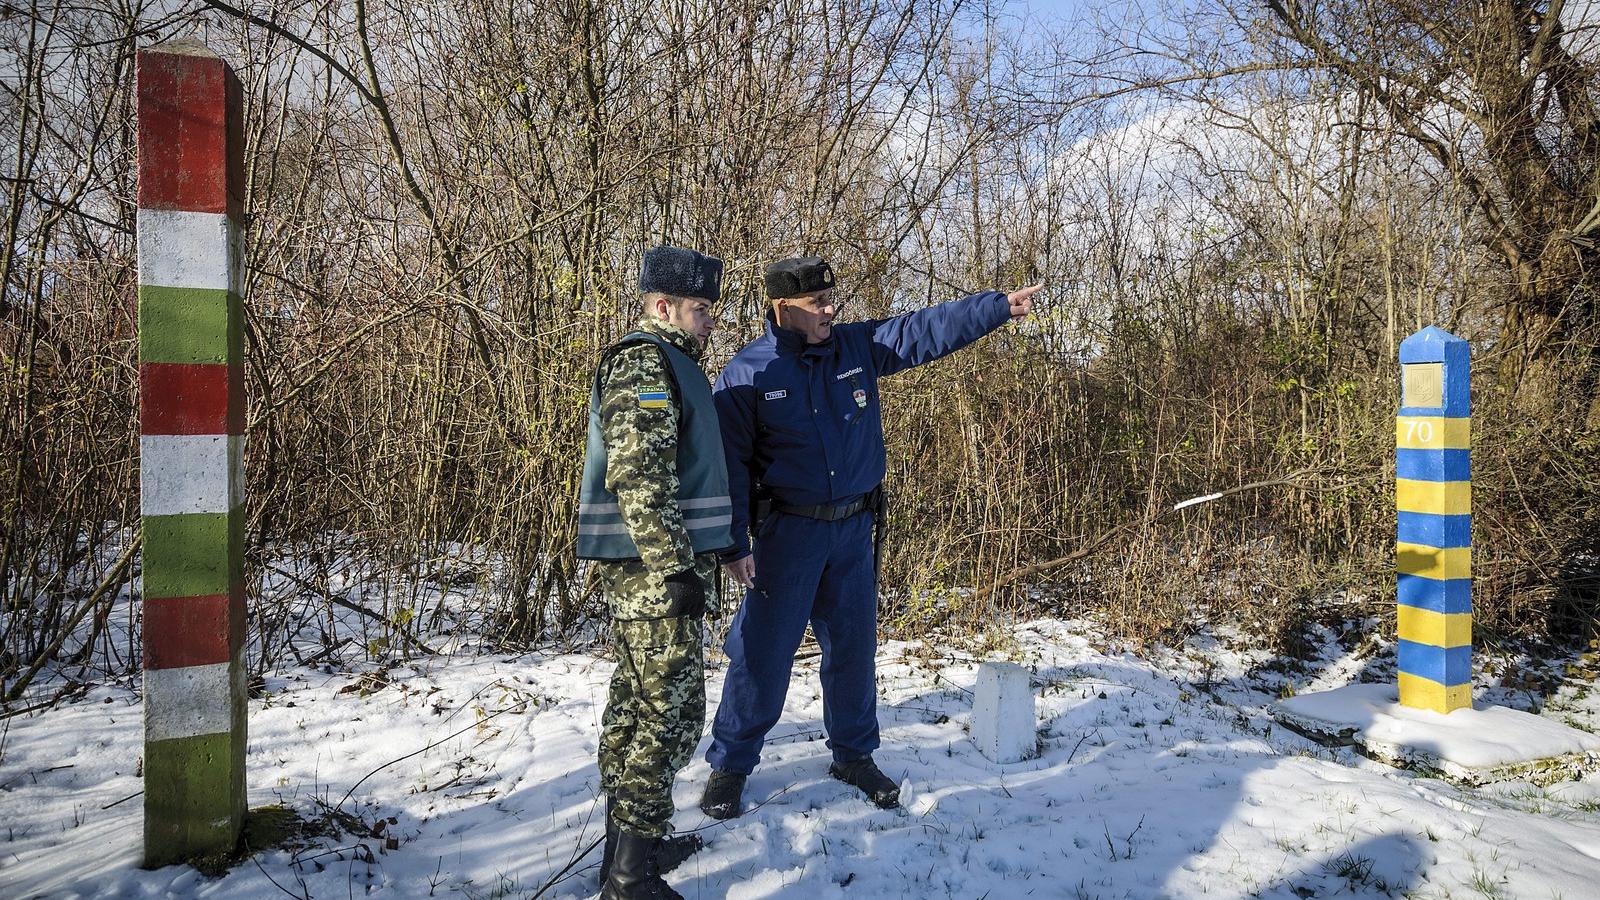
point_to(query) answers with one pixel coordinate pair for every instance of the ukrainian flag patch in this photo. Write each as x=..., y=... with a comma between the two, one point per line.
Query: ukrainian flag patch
x=653, y=397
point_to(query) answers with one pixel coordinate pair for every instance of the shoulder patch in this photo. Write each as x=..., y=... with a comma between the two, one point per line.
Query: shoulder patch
x=653, y=396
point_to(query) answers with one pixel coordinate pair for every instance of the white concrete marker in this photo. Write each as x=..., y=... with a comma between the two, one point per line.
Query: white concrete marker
x=1002, y=713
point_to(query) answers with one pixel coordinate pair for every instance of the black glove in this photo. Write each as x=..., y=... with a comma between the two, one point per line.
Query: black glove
x=686, y=594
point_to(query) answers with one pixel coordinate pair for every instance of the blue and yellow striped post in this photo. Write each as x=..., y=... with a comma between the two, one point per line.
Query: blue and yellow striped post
x=1433, y=497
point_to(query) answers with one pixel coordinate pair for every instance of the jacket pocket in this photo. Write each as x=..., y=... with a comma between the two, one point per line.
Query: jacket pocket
x=783, y=435
x=636, y=593
x=684, y=633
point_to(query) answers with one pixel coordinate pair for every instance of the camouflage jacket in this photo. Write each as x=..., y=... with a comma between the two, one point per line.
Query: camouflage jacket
x=642, y=446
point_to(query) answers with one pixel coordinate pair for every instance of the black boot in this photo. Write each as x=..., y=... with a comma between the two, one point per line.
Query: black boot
x=633, y=874
x=610, y=851
x=865, y=774
x=670, y=854
x=675, y=848
x=724, y=796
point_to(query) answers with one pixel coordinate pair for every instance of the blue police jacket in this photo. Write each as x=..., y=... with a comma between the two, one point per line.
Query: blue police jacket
x=803, y=419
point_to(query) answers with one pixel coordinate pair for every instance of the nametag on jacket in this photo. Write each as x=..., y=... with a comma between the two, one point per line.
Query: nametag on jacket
x=774, y=395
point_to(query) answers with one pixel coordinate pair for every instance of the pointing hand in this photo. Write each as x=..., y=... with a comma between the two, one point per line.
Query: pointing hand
x=1022, y=301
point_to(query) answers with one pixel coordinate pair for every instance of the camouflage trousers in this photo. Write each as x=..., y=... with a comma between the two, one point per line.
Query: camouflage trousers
x=657, y=704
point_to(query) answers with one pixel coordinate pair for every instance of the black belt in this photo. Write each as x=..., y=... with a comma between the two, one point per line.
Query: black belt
x=825, y=512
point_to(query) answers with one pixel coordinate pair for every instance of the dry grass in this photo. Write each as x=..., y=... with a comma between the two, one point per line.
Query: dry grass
x=424, y=311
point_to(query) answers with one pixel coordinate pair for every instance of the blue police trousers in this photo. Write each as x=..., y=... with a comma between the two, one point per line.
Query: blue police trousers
x=806, y=571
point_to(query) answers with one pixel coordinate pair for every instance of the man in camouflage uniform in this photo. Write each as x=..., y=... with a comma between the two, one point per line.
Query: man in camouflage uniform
x=654, y=514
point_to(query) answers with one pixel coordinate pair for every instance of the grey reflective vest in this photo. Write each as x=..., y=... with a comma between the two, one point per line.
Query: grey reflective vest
x=702, y=469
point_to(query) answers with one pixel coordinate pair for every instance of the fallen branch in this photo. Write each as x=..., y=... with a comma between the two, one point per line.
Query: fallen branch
x=479, y=723
x=1293, y=478
x=112, y=579
x=353, y=607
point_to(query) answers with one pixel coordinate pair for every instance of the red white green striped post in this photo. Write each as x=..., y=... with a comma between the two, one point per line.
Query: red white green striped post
x=191, y=476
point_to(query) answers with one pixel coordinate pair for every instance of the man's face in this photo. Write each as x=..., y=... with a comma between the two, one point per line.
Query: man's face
x=809, y=314
x=692, y=314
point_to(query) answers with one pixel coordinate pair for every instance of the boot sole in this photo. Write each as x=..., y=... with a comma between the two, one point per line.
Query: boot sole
x=721, y=814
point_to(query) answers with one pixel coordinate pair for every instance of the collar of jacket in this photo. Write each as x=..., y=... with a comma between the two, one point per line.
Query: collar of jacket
x=787, y=340
x=673, y=335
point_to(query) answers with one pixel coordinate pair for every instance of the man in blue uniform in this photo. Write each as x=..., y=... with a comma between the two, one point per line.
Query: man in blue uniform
x=801, y=427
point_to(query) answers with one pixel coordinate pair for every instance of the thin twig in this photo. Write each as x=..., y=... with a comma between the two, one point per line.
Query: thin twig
x=274, y=881
x=517, y=705
x=560, y=876
x=123, y=800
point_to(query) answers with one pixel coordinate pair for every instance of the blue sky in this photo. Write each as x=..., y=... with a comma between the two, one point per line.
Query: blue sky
x=1049, y=8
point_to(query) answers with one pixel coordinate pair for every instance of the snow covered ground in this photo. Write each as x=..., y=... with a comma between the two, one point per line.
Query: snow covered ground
x=1159, y=775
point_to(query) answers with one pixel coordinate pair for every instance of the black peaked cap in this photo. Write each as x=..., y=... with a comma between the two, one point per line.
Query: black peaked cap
x=798, y=275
